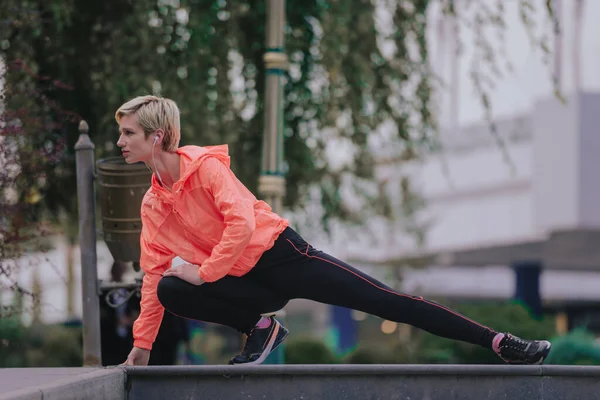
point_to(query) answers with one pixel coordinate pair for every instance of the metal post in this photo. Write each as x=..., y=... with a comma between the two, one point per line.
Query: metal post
x=271, y=184
x=84, y=149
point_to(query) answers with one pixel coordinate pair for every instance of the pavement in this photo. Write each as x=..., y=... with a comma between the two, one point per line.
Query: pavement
x=62, y=383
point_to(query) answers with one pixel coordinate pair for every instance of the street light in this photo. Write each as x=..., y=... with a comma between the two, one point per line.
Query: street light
x=271, y=183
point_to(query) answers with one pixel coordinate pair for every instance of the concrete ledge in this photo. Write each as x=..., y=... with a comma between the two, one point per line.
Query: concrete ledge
x=363, y=369
x=350, y=382
x=62, y=384
x=307, y=382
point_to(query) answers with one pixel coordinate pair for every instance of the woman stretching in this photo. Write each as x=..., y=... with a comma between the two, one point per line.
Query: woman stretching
x=244, y=260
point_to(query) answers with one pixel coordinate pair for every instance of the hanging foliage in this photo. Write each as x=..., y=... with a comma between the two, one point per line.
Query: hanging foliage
x=207, y=55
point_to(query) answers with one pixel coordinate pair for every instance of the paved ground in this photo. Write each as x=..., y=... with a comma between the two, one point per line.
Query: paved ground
x=61, y=383
x=23, y=378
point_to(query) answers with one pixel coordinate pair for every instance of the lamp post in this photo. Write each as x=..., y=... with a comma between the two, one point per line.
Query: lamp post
x=271, y=183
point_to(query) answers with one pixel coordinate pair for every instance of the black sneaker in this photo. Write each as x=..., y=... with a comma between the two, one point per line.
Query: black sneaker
x=260, y=343
x=515, y=350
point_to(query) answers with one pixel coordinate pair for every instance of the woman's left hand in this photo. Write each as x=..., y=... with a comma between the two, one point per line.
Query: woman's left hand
x=186, y=272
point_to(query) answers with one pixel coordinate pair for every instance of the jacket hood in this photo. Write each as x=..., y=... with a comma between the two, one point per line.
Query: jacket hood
x=192, y=157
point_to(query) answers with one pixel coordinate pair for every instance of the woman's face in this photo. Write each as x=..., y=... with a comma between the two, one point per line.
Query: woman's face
x=132, y=141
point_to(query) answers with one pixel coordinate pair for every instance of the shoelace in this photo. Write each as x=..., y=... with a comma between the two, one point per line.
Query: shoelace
x=514, y=344
x=245, y=351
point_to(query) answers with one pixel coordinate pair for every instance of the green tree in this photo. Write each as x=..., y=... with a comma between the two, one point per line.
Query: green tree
x=196, y=51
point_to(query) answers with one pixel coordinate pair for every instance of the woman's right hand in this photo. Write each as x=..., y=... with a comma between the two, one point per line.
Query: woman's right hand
x=138, y=356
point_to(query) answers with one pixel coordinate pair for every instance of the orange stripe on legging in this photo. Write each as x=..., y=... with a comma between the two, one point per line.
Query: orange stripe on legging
x=419, y=298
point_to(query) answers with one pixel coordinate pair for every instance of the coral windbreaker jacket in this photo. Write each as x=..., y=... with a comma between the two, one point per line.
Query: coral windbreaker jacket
x=210, y=219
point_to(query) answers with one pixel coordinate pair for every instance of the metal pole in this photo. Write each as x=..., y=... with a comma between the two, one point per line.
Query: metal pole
x=271, y=183
x=84, y=150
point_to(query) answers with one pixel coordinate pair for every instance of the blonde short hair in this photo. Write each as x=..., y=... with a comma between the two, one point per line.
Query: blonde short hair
x=155, y=113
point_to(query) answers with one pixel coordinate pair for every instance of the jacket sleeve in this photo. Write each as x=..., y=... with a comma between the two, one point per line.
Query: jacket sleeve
x=154, y=261
x=238, y=216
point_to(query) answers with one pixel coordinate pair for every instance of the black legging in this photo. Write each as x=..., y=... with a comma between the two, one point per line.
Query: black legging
x=292, y=269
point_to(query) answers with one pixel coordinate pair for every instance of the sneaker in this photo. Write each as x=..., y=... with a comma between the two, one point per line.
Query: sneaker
x=260, y=343
x=515, y=350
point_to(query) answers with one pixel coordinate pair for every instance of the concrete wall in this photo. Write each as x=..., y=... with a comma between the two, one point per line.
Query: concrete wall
x=350, y=382
x=307, y=382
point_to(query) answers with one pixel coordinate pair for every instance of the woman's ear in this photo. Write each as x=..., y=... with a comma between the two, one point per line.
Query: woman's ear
x=159, y=135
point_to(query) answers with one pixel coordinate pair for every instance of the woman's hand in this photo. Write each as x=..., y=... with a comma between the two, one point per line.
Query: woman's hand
x=186, y=272
x=137, y=356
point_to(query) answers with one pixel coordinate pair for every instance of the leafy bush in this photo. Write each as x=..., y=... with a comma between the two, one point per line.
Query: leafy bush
x=308, y=351
x=376, y=354
x=39, y=345
x=12, y=343
x=579, y=347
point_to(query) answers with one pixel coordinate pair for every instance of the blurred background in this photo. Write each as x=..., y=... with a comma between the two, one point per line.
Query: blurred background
x=446, y=147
